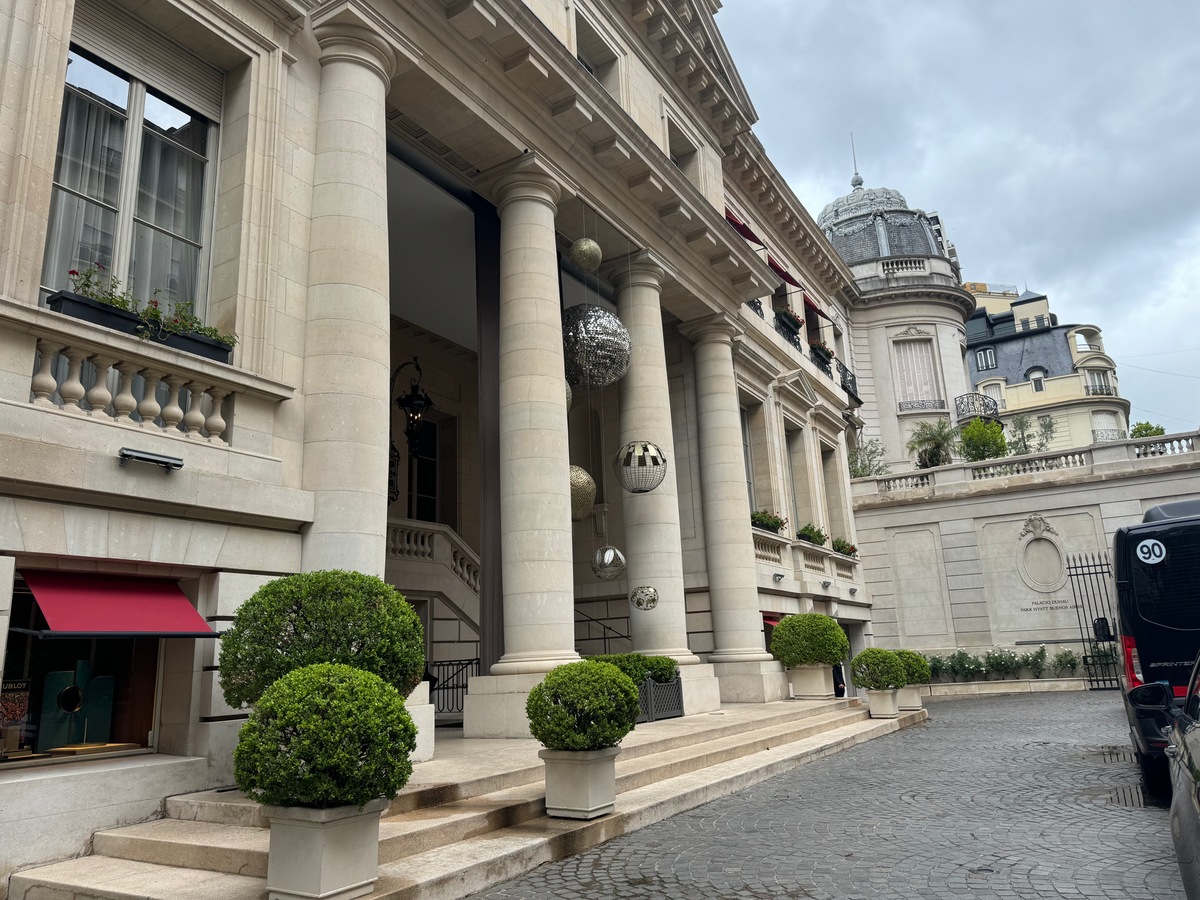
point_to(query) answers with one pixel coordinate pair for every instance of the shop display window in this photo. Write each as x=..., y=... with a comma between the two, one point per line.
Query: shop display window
x=73, y=696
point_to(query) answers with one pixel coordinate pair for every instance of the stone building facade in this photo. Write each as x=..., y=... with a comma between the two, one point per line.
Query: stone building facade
x=350, y=186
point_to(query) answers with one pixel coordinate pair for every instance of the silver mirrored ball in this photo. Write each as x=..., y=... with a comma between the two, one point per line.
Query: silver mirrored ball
x=596, y=347
x=583, y=493
x=640, y=466
x=586, y=254
x=644, y=597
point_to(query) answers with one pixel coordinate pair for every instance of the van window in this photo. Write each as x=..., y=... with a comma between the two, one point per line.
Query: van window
x=1168, y=593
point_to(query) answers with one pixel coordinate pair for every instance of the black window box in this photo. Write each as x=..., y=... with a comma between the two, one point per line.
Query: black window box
x=787, y=322
x=80, y=307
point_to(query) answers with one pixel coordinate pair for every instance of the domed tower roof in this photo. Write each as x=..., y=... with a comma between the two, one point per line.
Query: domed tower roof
x=874, y=222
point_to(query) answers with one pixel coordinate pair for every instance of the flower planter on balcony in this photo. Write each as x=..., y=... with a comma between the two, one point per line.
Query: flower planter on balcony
x=80, y=307
x=788, y=322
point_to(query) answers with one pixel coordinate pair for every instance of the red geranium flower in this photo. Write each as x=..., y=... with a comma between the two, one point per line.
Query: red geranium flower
x=73, y=272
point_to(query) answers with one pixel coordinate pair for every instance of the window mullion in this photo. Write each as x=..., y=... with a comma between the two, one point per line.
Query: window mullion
x=131, y=166
x=207, y=223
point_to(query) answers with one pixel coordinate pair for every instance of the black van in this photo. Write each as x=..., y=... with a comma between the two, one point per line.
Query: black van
x=1156, y=566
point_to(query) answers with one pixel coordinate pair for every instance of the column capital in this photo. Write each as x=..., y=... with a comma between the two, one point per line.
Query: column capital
x=528, y=177
x=717, y=328
x=351, y=31
x=641, y=267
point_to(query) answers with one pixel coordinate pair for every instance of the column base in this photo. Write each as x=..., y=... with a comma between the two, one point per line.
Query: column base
x=422, y=713
x=494, y=706
x=701, y=689
x=752, y=682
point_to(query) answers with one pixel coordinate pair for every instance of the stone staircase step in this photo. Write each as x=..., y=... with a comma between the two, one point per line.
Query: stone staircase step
x=511, y=765
x=242, y=850
x=471, y=864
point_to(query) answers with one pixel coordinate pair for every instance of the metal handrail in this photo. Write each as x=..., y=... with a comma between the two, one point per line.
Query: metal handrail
x=605, y=628
x=450, y=688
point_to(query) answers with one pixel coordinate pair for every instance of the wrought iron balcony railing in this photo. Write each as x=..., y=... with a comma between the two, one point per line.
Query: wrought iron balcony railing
x=756, y=305
x=1104, y=435
x=975, y=406
x=1100, y=390
x=848, y=379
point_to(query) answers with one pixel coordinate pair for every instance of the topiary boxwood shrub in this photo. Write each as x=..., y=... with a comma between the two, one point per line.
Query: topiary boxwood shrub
x=660, y=668
x=325, y=735
x=321, y=617
x=810, y=639
x=586, y=705
x=916, y=668
x=876, y=669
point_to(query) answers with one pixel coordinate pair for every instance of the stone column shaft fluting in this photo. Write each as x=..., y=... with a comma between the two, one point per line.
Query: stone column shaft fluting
x=653, y=552
x=535, y=493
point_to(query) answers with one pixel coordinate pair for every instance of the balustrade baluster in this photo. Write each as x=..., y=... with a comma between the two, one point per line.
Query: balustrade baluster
x=71, y=390
x=100, y=396
x=194, y=419
x=172, y=413
x=125, y=403
x=149, y=408
x=215, y=423
x=44, y=383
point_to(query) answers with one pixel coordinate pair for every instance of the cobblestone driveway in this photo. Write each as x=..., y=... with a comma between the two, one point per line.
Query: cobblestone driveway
x=1033, y=797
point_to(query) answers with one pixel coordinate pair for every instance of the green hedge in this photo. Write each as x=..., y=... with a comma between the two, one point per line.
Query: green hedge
x=915, y=666
x=661, y=668
x=321, y=617
x=587, y=705
x=810, y=639
x=876, y=669
x=325, y=735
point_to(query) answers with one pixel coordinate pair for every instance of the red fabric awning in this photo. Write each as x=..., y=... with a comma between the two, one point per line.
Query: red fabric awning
x=741, y=227
x=78, y=605
x=772, y=618
x=816, y=308
x=782, y=272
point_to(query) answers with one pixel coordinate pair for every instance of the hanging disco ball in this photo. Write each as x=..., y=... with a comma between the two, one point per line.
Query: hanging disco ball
x=583, y=493
x=569, y=397
x=595, y=347
x=586, y=254
x=640, y=466
x=644, y=597
x=608, y=563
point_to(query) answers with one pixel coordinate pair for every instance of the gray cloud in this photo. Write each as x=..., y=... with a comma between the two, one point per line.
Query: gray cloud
x=1059, y=140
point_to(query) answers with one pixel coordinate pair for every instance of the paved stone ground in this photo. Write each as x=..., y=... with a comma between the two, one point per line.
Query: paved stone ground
x=1006, y=797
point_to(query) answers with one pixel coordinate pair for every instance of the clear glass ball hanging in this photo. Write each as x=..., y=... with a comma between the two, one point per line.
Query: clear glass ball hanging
x=583, y=493
x=596, y=347
x=608, y=563
x=587, y=255
x=644, y=597
x=640, y=466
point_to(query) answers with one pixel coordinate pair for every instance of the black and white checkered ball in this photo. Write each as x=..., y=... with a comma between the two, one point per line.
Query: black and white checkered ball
x=640, y=466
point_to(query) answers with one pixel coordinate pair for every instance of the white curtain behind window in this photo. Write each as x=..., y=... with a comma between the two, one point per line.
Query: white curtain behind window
x=914, y=362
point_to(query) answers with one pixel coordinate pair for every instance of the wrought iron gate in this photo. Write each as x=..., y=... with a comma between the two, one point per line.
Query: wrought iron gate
x=1090, y=575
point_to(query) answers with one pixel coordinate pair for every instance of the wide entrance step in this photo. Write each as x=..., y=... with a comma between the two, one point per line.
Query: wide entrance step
x=472, y=817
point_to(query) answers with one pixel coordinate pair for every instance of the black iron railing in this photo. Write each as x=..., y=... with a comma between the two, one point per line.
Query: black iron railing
x=821, y=361
x=848, y=379
x=448, y=691
x=756, y=305
x=975, y=406
x=788, y=335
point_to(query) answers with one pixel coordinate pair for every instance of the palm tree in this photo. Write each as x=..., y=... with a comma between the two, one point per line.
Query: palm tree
x=933, y=442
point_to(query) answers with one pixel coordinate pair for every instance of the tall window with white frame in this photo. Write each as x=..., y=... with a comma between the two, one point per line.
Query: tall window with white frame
x=748, y=456
x=131, y=188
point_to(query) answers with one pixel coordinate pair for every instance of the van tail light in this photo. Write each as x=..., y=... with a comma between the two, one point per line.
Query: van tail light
x=1133, y=665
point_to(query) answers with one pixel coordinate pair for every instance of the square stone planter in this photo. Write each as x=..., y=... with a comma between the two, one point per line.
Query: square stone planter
x=811, y=682
x=883, y=704
x=330, y=854
x=910, y=697
x=580, y=784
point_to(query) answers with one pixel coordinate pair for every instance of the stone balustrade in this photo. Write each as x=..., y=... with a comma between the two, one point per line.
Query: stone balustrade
x=1119, y=457
x=770, y=548
x=821, y=563
x=429, y=559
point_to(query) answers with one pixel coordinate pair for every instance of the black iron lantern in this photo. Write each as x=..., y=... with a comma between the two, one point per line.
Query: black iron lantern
x=415, y=403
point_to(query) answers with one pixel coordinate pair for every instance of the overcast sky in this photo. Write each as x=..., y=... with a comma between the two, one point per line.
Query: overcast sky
x=1060, y=141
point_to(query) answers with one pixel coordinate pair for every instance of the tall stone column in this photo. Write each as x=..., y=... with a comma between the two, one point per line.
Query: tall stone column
x=653, y=551
x=346, y=347
x=535, y=494
x=747, y=671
